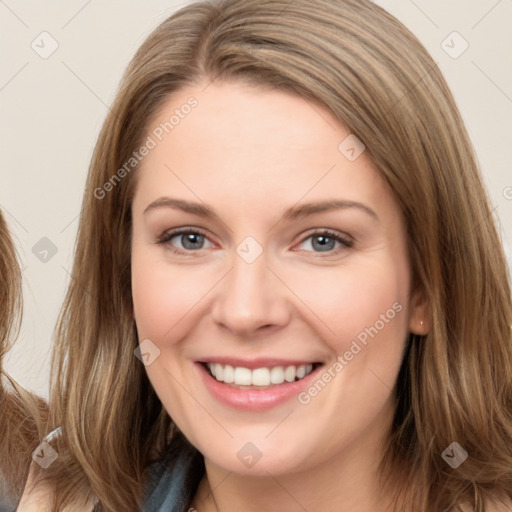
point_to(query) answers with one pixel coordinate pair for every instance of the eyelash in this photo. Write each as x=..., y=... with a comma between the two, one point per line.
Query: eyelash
x=169, y=235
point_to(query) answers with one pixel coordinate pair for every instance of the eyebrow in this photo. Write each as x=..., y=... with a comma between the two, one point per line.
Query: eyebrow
x=292, y=213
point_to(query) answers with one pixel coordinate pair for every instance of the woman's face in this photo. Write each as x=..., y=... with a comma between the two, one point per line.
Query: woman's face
x=255, y=288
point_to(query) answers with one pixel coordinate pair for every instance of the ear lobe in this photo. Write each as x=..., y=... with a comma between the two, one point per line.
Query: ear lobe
x=420, y=321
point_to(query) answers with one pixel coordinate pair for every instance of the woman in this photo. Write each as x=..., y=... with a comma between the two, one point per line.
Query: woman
x=256, y=372
x=21, y=414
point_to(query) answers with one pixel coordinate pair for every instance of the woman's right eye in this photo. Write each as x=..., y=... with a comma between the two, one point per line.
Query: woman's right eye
x=189, y=239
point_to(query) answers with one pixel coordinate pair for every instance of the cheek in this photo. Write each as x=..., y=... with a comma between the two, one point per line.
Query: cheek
x=162, y=295
x=353, y=303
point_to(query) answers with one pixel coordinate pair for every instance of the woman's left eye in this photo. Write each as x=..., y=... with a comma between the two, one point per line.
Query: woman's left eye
x=193, y=239
x=325, y=240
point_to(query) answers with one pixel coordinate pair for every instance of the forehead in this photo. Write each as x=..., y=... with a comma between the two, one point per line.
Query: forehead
x=236, y=115
x=251, y=145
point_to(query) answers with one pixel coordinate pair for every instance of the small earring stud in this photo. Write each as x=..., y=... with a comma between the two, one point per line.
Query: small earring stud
x=421, y=323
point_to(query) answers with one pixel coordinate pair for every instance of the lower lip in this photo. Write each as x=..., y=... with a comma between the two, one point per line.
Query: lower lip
x=255, y=399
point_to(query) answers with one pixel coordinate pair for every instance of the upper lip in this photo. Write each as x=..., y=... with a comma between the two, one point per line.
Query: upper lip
x=259, y=362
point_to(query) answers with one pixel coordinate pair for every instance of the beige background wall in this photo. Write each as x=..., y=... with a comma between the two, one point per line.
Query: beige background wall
x=52, y=109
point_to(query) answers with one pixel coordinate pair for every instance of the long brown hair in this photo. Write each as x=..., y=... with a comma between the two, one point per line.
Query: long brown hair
x=363, y=65
x=22, y=414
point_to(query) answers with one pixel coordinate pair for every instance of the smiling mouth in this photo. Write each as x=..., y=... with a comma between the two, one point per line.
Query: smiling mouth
x=259, y=378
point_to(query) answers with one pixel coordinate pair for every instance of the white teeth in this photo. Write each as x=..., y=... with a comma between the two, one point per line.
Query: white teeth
x=277, y=375
x=219, y=372
x=260, y=376
x=229, y=374
x=289, y=373
x=242, y=376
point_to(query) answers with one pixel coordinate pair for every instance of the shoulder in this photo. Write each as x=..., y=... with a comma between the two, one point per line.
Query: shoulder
x=37, y=496
x=497, y=505
x=504, y=505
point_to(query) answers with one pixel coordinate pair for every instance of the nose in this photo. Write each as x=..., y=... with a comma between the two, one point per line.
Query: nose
x=251, y=298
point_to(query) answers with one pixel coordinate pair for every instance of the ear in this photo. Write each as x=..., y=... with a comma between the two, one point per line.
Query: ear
x=420, y=321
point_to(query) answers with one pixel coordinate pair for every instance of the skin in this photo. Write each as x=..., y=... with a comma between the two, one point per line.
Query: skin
x=251, y=153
